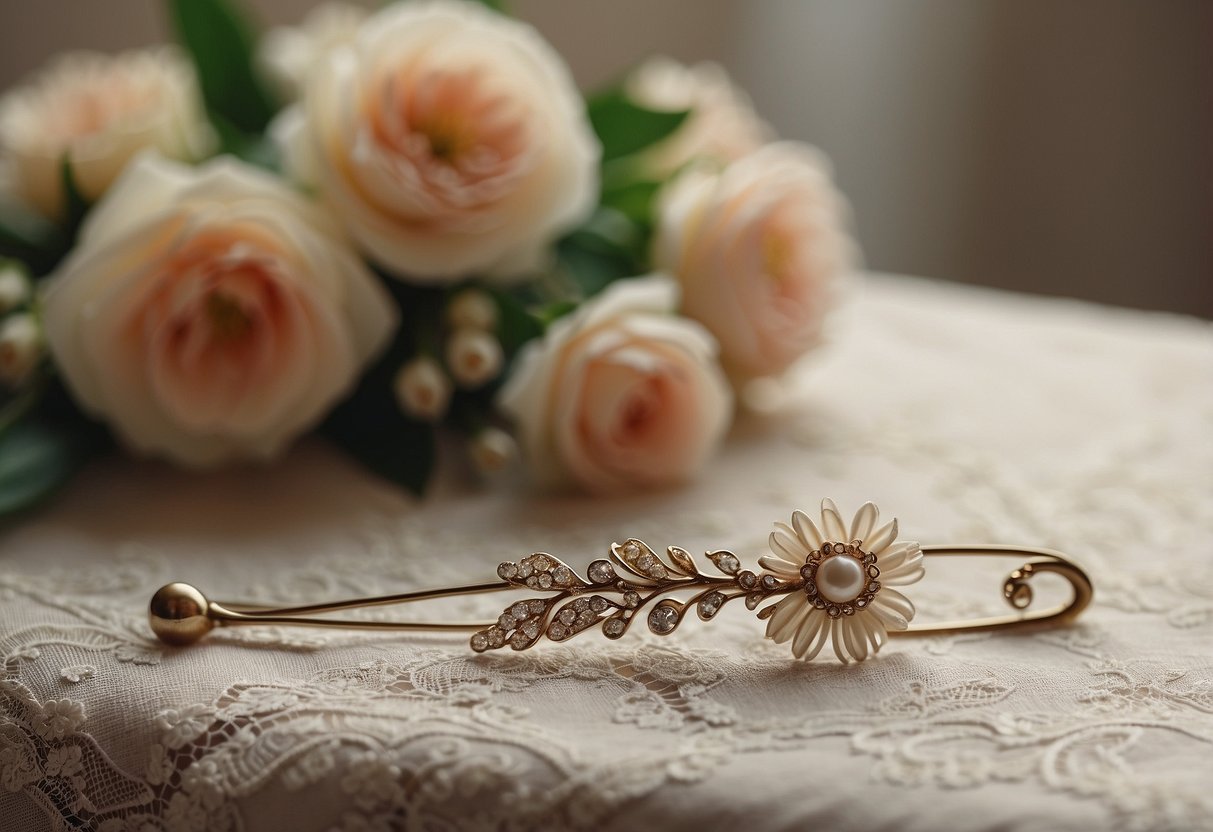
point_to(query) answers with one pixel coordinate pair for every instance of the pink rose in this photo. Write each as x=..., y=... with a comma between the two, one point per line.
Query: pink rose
x=759, y=249
x=99, y=111
x=450, y=139
x=209, y=314
x=620, y=394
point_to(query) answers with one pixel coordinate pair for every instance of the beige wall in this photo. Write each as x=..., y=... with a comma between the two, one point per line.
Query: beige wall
x=1059, y=146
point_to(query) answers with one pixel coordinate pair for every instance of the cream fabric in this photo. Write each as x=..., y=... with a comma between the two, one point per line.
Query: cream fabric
x=970, y=415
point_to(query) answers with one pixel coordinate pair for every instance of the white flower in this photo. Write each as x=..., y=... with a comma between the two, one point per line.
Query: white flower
x=621, y=393
x=209, y=314
x=449, y=138
x=492, y=449
x=64, y=761
x=58, y=718
x=474, y=356
x=15, y=287
x=181, y=726
x=721, y=127
x=373, y=781
x=759, y=250
x=423, y=390
x=98, y=111
x=472, y=309
x=849, y=573
x=288, y=53
x=20, y=348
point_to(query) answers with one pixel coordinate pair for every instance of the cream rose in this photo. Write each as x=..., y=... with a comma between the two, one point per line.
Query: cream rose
x=449, y=139
x=98, y=111
x=621, y=394
x=209, y=314
x=759, y=250
x=288, y=53
x=722, y=125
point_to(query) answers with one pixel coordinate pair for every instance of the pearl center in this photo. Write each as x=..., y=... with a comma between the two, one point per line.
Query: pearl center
x=840, y=578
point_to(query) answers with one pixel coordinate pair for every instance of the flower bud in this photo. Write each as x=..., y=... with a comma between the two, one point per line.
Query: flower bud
x=423, y=389
x=474, y=357
x=492, y=450
x=472, y=309
x=14, y=288
x=20, y=348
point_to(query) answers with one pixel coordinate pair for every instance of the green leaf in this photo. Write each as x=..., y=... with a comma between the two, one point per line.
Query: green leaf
x=258, y=149
x=634, y=200
x=221, y=43
x=30, y=238
x=396, y=448
x=515, y=325
x=35, y=459
x=624, y=127
x=75, y=205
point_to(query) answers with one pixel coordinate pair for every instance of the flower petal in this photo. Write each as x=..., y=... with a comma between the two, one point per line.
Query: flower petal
x=831, y=521
x=836, y=640
x=894, y=601
x=904, y=575
x=788, y=614
x=822, y=623
x=783, y=568
x=812, y=633
x=876, y=633
x=881, y=538
x=806, y=530
x=786, y=546
x=891, y=619
x=853, y=635
x=865, y=521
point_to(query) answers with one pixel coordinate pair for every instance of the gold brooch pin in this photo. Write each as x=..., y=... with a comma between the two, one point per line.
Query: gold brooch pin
x=826, y=581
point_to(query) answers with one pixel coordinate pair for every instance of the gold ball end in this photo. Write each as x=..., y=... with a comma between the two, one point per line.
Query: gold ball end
x=178, y=614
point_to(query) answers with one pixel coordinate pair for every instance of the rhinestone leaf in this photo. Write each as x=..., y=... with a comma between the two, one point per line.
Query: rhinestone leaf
x=681, y=559
x=613, y=628
x=663, y=619
x=726, y=562
x=598, y=604
x=710, y=604
x=601, y=572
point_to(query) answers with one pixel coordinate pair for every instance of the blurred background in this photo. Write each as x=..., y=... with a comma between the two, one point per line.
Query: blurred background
x=1056, y=146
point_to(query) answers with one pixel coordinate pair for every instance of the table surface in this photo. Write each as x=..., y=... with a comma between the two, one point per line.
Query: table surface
x=971, y=415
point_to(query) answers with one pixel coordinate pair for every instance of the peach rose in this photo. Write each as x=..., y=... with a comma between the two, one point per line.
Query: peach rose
x=450, y=140
x=759, y=250
x=722, y=125
x=209, y=314
x=288, y=53
x=620, y=394
x=98, y=111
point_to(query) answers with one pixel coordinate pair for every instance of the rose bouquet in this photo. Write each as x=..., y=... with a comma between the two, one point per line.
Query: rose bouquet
x=381, y=225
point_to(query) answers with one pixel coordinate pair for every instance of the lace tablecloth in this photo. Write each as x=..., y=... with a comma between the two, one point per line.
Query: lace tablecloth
x=971, y=415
